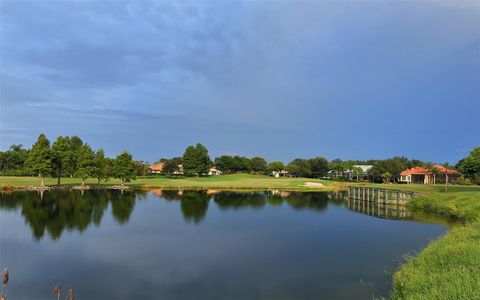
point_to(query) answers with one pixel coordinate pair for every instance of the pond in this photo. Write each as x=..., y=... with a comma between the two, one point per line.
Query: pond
x=162, y=244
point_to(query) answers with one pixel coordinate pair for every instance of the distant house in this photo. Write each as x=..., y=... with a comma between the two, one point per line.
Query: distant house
x=351, y=175
x=214, y=171
x=156, y=168
x=281, y=173
x=422, y=175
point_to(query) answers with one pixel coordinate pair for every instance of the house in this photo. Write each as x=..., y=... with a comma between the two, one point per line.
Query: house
x=351, y=175
x=366, y=172
x=179, y=170
x=214, y=171
x=281, y=173
x=422, y=175
x=156, y=168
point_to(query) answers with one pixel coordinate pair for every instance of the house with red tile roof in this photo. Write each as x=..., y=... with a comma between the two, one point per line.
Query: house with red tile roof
x=422, y=175
x=156, y=168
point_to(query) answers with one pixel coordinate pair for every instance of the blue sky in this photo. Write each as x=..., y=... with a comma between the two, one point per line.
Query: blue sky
x=279, y=79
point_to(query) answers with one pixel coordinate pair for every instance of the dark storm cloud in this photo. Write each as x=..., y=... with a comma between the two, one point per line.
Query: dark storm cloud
x=349, y=79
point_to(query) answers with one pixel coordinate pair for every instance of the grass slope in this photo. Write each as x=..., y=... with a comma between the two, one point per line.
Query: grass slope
x=235, y=181
x=449, y=268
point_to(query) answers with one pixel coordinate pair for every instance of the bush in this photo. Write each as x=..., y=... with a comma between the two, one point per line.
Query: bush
x=464, y=181
x=14, y=173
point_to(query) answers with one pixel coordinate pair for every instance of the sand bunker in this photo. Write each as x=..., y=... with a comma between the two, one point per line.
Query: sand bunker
x=313, y=184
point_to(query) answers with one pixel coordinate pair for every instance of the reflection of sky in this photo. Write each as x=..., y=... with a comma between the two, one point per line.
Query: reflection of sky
x=293, y=78
x=237, y=254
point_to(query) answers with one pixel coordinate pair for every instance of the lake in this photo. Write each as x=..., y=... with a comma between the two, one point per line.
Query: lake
x=160, y=244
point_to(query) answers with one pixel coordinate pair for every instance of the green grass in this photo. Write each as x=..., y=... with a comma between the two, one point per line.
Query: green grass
x=235, y=181
x=449, y=268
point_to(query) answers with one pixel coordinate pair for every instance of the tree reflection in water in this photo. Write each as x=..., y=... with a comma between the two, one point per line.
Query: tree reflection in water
x=56, y=211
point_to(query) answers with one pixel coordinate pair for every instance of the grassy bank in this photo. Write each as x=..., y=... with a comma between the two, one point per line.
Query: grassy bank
x=449, y=268
x=235, y=181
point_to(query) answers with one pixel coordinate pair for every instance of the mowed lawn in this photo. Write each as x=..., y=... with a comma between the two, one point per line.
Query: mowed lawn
x=241, y=181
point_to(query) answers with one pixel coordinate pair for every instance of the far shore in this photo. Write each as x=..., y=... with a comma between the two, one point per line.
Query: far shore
x=222, y=182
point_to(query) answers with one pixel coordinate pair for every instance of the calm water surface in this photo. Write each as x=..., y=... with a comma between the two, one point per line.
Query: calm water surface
x=200, y=245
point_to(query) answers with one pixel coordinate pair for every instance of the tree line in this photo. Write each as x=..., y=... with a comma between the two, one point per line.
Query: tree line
x=196, y=162
x=68, y=157
x=71, y=157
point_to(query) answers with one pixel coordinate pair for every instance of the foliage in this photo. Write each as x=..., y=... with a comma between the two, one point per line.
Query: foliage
x=386, y=177
x=276, y=166
x=392, y=166
x=196, y=161
x=39, y=160
x=61, y=156
x=318, y=166
x=100, y=170
x=233, y=164
x=172, y=165
x=258, y=165
x=12, y=161
x=86, y=162
x=470, y=166
x=124, y=168
x=141, y=168
x=300, y=167
x=358, y=172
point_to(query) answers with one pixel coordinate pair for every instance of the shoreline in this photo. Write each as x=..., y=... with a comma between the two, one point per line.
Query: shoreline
x=170, y=187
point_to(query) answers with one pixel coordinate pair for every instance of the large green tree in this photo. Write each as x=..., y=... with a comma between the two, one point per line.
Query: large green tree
x=258, y=165
x=196, y=161
x=100, y=170
x=86, y=162
x=470, y=166
x=300, y=167
x=391, y=166
x=276, y=166
x=318, y=166
x=62, y=157
x=172, y=165
x=75, y=144
x=39, y=160
x=124, y=167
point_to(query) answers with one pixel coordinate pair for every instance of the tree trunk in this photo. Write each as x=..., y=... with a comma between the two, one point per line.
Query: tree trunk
x=59, y=175
x=42, y=183
x=83, y=182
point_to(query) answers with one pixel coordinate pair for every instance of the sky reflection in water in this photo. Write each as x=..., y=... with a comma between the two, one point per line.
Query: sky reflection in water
x=200, y=245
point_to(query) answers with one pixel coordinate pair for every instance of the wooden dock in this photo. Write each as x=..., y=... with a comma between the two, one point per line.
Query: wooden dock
x=379, y=195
